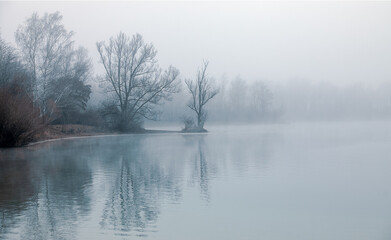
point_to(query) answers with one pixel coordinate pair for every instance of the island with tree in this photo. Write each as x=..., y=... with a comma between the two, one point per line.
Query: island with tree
x=202, y=92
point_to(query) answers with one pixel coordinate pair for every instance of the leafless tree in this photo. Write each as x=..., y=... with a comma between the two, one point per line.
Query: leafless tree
x=201, y=92
x=10, y=66
x=238, y=99
x=69, y=91
x=261, y=98
x=134, y=79
x=48, y=52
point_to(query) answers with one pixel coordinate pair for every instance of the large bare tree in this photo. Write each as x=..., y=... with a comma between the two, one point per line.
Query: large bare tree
x=133, y=78
x=59, y=71
x=202, y=92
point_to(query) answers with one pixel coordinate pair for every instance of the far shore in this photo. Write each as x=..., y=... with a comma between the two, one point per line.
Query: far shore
x=74, y=131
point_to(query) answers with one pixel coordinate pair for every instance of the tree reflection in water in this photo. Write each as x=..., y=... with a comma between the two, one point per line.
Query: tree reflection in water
x=132, y=201
x=46, y=192
x=199, y=171
x=138, y=184
x=16, y=188
x=51, y=183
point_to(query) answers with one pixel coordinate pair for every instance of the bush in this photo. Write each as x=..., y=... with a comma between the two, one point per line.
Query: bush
x=90, y=117
x=190, y=126
x=116, y=120
x=189, y=123
x=19, y=118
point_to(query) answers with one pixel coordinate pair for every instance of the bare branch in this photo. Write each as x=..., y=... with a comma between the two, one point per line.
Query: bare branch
x=133, y=74
x=201, y=93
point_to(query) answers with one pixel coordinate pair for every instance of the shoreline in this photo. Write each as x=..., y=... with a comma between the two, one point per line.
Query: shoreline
x=92, y=135
x=145, y=132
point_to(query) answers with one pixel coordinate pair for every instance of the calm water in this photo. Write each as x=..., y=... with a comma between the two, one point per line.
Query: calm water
x=293, y=181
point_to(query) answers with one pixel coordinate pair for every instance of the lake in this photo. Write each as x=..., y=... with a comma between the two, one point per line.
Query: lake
x=284, y=181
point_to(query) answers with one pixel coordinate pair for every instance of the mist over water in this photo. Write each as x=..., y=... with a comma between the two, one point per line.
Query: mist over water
x=296, y=144
x=283, y=181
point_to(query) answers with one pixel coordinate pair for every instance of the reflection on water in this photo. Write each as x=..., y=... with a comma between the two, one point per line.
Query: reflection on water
x=278, y=182
x=136, y=185
x=46, y=191
x=43, y=197
x=200, y=163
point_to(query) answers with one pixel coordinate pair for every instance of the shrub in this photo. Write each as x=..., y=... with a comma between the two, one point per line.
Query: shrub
x=189, y=123
x=116, y=120
x=91, y=117
x=190, y=126
x=19, y=118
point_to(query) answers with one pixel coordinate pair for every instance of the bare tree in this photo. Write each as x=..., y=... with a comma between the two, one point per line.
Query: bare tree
x=10, y=66
x=261, y=99
x=201, y=92
x=7, y=60
x=48, y=51
x=69, y=91
x=134, y=79
x=238, y=99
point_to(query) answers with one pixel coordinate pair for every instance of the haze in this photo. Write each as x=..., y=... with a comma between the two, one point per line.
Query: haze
x=195, y=120
x=341, y=43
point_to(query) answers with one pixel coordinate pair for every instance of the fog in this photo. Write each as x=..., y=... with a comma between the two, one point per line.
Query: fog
x=339, y=43
x=330, y=41
x=292, y=181
x=103, y=107
x=318, y=60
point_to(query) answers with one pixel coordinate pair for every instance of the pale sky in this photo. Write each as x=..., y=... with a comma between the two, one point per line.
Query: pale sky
x=339, y=42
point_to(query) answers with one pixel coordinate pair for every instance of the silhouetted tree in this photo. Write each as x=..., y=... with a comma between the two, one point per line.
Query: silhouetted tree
x=134, y=79
x=10, y=66
x=59, y=71
x=238, y=99
x=201, y=92
x=261, y=100
x=18, y=117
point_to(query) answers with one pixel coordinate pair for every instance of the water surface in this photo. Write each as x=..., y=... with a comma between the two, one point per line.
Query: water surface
x=290, y=181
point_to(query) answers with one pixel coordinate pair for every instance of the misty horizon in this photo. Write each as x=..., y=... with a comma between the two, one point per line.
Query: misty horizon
x=195, y=120
x=343, y=43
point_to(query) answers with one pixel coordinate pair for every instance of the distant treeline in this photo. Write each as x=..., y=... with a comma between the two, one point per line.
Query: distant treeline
x=304, y=100
x=249, y=101
x=238, y=101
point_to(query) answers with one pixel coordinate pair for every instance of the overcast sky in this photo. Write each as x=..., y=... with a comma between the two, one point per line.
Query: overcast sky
x=276, y=41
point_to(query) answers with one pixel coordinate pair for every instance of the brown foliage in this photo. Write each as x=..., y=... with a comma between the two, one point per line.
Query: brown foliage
x=19, y=118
